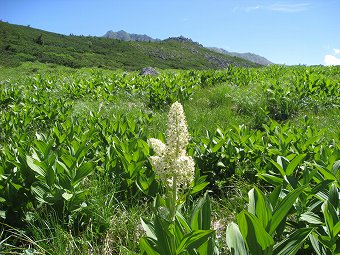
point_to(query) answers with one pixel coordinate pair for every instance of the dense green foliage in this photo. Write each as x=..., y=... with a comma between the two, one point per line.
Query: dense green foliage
x=19, y=44
x=74, y=153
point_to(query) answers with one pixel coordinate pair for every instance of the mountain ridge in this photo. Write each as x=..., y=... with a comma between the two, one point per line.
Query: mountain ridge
x=125, y=36
x=248, y=56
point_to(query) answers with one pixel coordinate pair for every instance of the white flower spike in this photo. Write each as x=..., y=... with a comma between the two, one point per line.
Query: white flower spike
x=171, y=160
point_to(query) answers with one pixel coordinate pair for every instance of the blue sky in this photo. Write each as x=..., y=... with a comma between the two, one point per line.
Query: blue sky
x=286, y=32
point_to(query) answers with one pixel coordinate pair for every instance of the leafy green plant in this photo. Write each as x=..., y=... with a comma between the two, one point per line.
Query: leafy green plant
x=271, y=226
x=326, y=238
x=15, y=182
x=178, y=235
x=58, y=178
x=260, y=229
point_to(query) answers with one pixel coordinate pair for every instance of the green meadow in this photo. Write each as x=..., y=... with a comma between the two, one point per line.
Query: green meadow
x=76, y=175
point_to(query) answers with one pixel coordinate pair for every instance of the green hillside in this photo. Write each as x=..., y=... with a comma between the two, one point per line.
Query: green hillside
x=19, y=44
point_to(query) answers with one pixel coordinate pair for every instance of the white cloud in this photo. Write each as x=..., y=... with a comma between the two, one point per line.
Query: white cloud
x=254, y=8
x=331, y=60
x=291, y=8
x=336, y=51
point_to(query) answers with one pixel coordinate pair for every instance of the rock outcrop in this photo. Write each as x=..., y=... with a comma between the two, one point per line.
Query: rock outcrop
x=148, y=71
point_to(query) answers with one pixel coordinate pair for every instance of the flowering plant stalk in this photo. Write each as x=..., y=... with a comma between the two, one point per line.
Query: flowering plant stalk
x=169, y=232
x=171, y=163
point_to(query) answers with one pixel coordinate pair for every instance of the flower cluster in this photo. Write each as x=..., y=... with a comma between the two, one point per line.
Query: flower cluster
x=171, y=160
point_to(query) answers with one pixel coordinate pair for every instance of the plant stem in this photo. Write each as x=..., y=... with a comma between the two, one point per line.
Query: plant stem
x=174, y=198
x=173, y=210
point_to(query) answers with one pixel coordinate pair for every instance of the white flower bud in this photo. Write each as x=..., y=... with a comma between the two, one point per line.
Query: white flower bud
x=157, y=146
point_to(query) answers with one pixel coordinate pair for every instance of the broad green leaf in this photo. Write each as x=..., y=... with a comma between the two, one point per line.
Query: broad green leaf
x=257, y=239
x=164, y=236
x=252, y=201
x=31, y=163
x=147, y=246
x=334, y=196
x=199, y=184
x=68, y=160
x=292, y=181
x=311, y=218
x=182, y=221
x=328, y=175
x=194, y=240
x=331, y=217
x=208, y=247
x=294, y=163
x=235, y=240
x=317, y=246
x=336, y=166
x=272, y=179
x=279, y=164
x=83, y=171
x=201, y=216
x=135, y=156
x=40, y=191
x=292, y=243
x=50, y=176
x=61, y=168
x=326, y=241
x=41, y=145
x=220, y=164
x=322, y=195
x=259, y=206
x=67, y=196
x=274, y=196
x=319, y=187
x=283, y=207
x=336, y=229
x=199, y=187
x=311, y=141
x=179, y=231
x=218, y=146
x=16, y=186
x=44, y=148
x=220, y=133
x=143, y=182
x=308, y=175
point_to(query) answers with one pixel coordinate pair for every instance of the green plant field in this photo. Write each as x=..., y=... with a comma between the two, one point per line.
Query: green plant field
x=75, y=174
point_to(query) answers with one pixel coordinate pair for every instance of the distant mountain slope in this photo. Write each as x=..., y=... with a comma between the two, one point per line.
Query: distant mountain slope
x=21, y=43
x=124, y=36
x=248, y=56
